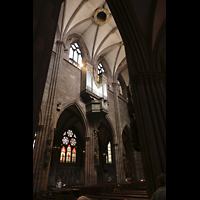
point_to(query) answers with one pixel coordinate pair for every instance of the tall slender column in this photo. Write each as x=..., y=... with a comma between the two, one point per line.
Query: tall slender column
x=41, y=160
x=55, y=157
x=90, y=171
x=91, y=149
x=118, y=148
x=151, y=124
x=87, y=161
x=45, y=17
x=148, y=93
x=92, y=121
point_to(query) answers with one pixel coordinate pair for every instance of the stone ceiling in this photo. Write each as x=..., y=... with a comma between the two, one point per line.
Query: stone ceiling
x=77, y=16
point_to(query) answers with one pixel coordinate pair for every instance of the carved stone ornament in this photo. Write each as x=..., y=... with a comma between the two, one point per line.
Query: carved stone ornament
x=101, y=16
x=147, y=75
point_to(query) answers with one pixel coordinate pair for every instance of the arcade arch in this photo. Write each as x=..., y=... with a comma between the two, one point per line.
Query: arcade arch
x=70, y=172
x=106, y=168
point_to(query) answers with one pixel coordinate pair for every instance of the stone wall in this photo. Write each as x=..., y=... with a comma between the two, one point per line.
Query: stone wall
x=67, y=91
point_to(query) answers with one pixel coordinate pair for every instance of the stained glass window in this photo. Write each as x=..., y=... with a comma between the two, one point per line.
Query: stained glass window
x=68, y=159
x=62, y=155
x=109, y=153
x=73, y=142
x=65, y=140
x=68, y=156
x=69, y=133
x=74, y=155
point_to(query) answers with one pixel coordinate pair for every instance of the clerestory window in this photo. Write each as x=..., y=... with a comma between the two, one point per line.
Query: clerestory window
x=100, y=68
x=75, y=55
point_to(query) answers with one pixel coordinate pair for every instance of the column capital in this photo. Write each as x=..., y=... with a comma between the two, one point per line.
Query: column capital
x=114, y=83
x=61, y=42
x=115, y=86
x=147, y=75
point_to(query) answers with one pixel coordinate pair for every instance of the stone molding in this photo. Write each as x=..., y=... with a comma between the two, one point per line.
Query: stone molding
x=39, y=127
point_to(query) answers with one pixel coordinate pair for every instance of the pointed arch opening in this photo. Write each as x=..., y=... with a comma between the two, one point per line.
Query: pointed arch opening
x=106, y=171
x=68, y=156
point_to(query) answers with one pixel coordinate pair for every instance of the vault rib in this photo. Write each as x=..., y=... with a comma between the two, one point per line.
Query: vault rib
x=73, y=15
x=105, y=38
x=95, y=37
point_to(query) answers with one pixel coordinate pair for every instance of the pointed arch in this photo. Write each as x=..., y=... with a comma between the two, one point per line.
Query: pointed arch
x=121, y=67
x=114, y=134
x=123, y=85
x=113, y=131
x=126, y=137
x=81, y=112
x=106, y=66
x=74, y=37
x=127, y=129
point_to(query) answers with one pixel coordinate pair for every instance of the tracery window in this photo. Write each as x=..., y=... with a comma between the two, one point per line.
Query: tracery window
x=69, y=142
x=100, y=68
x=109, y=156
x=75, y=55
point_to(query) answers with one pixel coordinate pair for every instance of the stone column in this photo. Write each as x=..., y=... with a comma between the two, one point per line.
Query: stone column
x=55, y=157
x=148, y=92
x=138, y=165
x=41, y=160
x=90, y=170
x=45, y=17
x=90, y=147
x=92, y=121
x=118, y=148
x=87, y=161
x=150, y=113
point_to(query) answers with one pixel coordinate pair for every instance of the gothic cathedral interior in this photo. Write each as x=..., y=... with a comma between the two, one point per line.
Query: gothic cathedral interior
x=101, y=110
